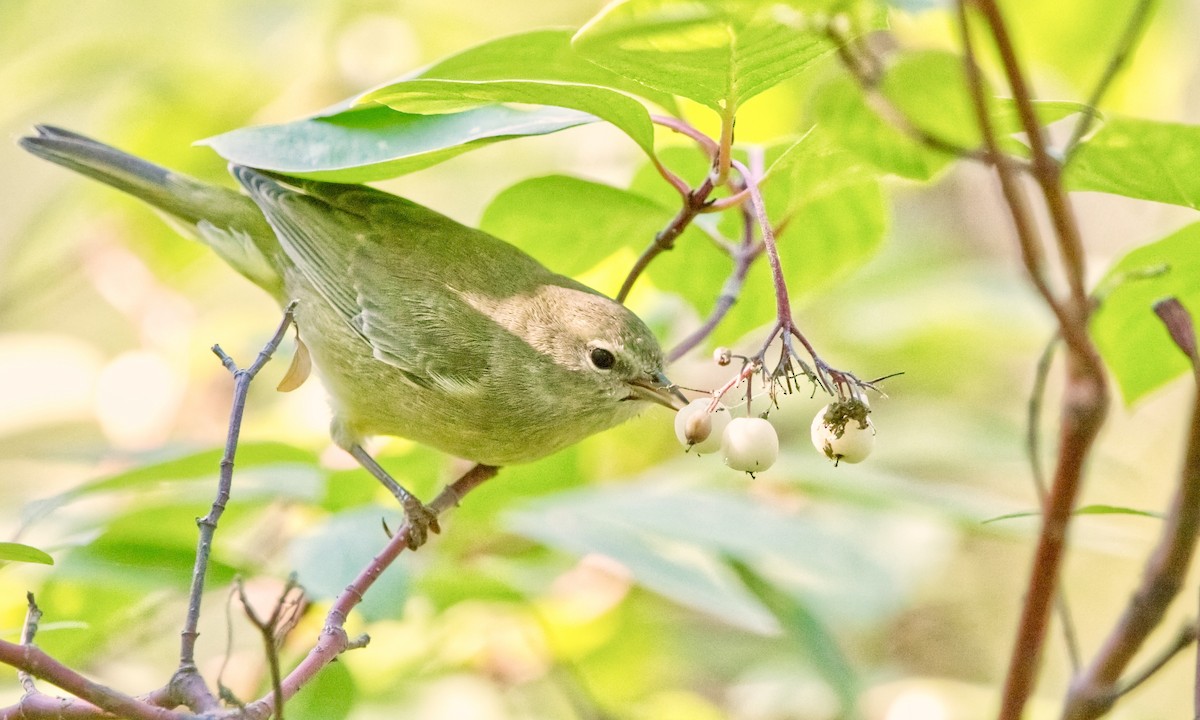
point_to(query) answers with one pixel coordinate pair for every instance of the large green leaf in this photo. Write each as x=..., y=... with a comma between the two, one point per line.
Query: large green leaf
x=437, y=96
x=1131, y=338
x=677, y=541
x=376, y=142
x=578, y=223
x=807, y=630
x=841, y=110
x=153, y=548
x=536, y=55
x=719, y=53
x=286, y=471
x=926, y=90
x=930, y=89
x=593, y=521
x=1143, y=159
x=833, y=207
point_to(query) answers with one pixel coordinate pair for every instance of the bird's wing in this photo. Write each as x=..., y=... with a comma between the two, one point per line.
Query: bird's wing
x=361, y=250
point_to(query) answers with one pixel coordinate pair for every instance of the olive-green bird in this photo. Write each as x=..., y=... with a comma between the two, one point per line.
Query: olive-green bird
x=419, y=327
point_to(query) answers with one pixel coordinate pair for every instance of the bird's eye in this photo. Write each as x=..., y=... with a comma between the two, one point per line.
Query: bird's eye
x=602, y=358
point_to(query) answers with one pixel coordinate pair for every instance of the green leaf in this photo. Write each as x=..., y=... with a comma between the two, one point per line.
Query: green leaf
x=289, y=464
x=152, y=549
x=834, y=209
x=928, y=90
x=1131, y=339
x=812, y=166
x=677, y=542
x=536, y=55
x=448, y=96
x=328, y=558
x=840, y=109
x=1143, y=159
x=328, y=696
x=375, y=143
x=808, y=631
x=673, y=568
x=831, y=235
x=719, y=53
x=17, y=552
x=578, y=222
x=1085, y=510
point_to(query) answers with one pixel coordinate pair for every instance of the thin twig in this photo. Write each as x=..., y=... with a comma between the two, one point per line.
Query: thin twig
x=1120, y=57
x=707, y=144
x=269, y=630
x=1028, y=237
x=1185, y=638
x=783, y=305
x=744, y=254
x=208, y=525
x=1092, y=693
x=694, y=202
x=33, y=615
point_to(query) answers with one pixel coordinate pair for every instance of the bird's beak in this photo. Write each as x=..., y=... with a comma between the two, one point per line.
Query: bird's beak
x=658, y=389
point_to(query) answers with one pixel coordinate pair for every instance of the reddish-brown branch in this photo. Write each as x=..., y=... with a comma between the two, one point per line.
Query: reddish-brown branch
x=1094, y=691
x=693, y=203
x=1085, y=398
x=1028, y=237
x=33, y=660
x=1047, y=170
x=333, y=640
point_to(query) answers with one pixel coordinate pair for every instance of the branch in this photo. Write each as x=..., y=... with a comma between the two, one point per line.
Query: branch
x=33, y=615
x=270, y=631
x=744, y=254
x=186, y=683
x=1085, y=399
x=694, y=202
x=333, y=640
x=1093, y=692
x=1046, y=170
x=1133, y=33
x=36, y=663
x=1033, y=449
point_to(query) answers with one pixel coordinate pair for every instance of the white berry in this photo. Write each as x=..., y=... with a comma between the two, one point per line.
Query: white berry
x=722, y=356
x=843, y=433
x=699, y=430
x=750, y=444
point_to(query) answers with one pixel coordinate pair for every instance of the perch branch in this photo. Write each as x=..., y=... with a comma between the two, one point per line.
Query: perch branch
x=333, y=640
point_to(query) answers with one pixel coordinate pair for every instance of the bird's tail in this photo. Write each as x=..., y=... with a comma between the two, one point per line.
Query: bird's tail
x=225, y=220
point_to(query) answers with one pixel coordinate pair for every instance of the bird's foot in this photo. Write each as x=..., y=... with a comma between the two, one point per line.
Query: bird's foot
x=420, y=520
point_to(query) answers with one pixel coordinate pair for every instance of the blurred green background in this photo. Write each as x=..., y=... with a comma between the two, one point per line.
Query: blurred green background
x=594, y=583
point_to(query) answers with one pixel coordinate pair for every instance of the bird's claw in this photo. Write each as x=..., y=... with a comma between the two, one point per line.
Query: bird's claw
x=420, y=520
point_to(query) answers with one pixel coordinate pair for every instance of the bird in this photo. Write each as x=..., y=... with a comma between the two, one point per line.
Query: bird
x=418, y=326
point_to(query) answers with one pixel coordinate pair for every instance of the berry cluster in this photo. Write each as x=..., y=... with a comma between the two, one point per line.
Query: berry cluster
x=841, y=431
